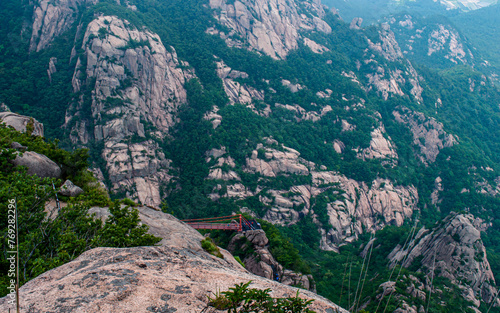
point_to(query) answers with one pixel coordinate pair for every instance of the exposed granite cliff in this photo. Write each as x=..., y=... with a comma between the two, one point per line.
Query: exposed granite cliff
x=237, y=92
x=22, y=123
x=428, y=134
x=52, y=18
x=389, y=82
x=453, y=249
x=355, y=207
x=433, y=41
x=360, y=208
x=272, y=27
x=134, y=86
x=380, y=147
x=174, y=277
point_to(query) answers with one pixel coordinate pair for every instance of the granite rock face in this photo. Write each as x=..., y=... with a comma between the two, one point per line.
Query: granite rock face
x=137, y=86
x=21, y=123
x=144, y=279
x=271, y=27
x=455, y=251
x=386, y=81
x=52, y=18
x=237, y=92
x=380, y=147
x=370, y=207
x=434, y=41
x=174, y=277
x=387, y=45
x=361, y=208
x=428, y=134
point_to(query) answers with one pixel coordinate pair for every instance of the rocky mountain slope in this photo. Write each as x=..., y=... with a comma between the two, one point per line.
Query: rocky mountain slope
x=135, y=84
x=453, y=250
x=271, y=27
x=466, y=5
x=176, y=276
x=373, y=11
x=329, y=130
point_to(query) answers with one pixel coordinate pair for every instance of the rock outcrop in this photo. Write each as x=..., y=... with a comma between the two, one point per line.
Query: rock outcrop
x=302, y=114
x=237, y=93
x=262, y=263
x=4, y=108
x=355, y=207
x=52, y=18
x=453, y=249
x=441, y=36
x=389, y=82
x=428, y=134
x=272, y=27
x=276, y=162
x=174, y=277
x=387, y=46
x=465, y=5
x=137, y=86
x=38, y=164
x=380, y=147
x=222, y=169
x=22, y=123
x=361, y=208
x=430, y=40
x=69, y=189
x=173, y=232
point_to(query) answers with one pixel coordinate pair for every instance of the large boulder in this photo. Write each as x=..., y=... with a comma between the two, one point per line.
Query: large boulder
x=69, y=189
x=21, y=122
x=38, y=164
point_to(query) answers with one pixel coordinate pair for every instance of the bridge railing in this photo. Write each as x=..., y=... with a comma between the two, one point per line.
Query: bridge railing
x=198, y=225
x=231, y=222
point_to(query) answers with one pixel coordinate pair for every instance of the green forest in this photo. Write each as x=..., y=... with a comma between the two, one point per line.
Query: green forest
x=472, y=116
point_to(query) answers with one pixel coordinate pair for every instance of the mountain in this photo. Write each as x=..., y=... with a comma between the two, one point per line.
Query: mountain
x=339, y=136
x=465, y=5
x=373, y=11
x=479, y=27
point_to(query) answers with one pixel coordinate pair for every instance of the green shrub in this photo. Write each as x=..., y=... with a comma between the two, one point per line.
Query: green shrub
x=129, y=202
x=242, y=299
x=122, y=229
x=208, y=245
x=237, y=258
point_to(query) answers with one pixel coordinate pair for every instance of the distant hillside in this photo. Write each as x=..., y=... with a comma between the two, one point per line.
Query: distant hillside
x=482, y=29
x=372, y=11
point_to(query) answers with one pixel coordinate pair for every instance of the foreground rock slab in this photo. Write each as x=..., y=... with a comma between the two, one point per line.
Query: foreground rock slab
x=142, y=279
x=176, y=276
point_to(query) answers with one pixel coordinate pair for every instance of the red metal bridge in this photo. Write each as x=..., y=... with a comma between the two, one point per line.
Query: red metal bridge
x=231, y=222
